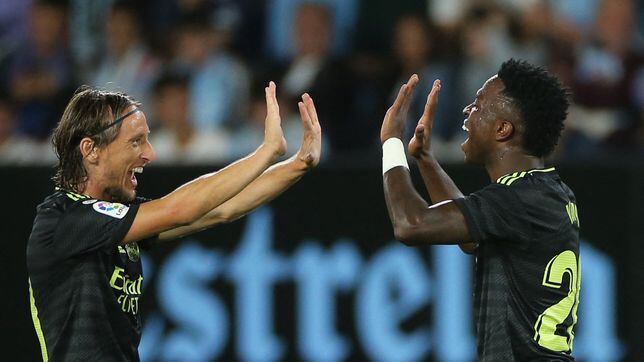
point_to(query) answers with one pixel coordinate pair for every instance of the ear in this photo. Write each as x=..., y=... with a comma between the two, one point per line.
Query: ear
x=504, y=130
x=88, y=150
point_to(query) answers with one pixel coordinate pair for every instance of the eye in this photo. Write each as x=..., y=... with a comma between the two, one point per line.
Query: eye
x=136, y=142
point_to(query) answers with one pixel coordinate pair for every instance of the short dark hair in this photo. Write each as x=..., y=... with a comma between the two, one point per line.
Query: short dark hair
x=542, y=101
x=89, y=111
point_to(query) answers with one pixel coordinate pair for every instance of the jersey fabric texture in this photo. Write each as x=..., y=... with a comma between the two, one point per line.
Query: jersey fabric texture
x=84, y=285
x=527, y=266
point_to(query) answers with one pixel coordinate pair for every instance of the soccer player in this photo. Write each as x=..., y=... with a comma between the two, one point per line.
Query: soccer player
x=523, y=227
x=83, y=260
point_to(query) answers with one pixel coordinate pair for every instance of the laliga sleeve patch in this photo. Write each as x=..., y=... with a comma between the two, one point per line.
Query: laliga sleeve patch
x=112, y=209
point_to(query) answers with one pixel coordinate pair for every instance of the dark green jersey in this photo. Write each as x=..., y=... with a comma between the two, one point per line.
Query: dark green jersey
x=84, y=285
x=527, y=266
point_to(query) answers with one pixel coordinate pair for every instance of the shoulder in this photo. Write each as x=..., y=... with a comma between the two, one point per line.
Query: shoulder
x=532, y=181
x=53, y=212
x=61, y=201
x=64, y=202
x=541, y=192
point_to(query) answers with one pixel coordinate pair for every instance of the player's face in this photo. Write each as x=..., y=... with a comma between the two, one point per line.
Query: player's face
x=479, y=122
x=126, y=156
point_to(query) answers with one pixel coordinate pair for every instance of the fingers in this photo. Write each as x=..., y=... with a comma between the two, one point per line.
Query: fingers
x=403, y=99
x=419, y=132
x=271, y=98
x=310, y=107
x=309, y=151
x=304, y=115
x=411, y=84
x=308, y=112
x=413, y=80
x=431, y=104
x=399, y=98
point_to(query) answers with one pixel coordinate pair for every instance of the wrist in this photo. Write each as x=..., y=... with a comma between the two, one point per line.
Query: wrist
x=426, y=156
x=298, y=164
x=393, y=154
x=385, y=138
x=269, y=152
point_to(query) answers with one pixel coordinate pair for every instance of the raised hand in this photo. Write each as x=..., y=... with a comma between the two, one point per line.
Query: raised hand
x=309, y=152
x=420, y=142
x=273, y=134
x=393, y=124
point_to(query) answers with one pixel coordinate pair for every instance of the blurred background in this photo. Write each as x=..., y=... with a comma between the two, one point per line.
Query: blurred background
x=199, y=68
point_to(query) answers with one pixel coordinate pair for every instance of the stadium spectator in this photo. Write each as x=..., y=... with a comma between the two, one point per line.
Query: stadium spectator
x=327, y=78
x=417, y=47
x=606, y=67
x=485, y=43
x=87, y=34
x=176, y=141
x=281, y=18
x=219, y=82
x=13, y=25
x=14, y=148
x=40, y=72
x=126, y=64
x=245, y=136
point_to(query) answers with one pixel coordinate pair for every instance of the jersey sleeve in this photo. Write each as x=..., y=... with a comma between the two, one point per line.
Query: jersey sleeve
x=495, y=213
x=87, y=227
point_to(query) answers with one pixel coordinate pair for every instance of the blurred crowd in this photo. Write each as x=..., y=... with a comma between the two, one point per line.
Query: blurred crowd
x=200, y=66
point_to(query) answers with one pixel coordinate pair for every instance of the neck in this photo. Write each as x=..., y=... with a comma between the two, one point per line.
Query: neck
x=93, y=190
x=511, y=160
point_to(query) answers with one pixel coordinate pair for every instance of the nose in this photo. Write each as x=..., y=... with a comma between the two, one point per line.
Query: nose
x=148, y=153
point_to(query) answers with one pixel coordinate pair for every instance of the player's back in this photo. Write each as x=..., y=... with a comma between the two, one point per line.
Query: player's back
x=528, y=270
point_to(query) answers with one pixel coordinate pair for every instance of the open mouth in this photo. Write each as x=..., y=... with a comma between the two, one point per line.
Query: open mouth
x=133, y=173
x=464, y=127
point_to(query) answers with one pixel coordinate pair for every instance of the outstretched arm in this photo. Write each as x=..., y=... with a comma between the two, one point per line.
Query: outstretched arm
x=195, y=199
x=438, y=184
x=270, y=184
x=413, y=221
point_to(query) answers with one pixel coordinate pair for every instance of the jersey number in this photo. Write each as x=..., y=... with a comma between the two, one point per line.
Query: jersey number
x=546, y=325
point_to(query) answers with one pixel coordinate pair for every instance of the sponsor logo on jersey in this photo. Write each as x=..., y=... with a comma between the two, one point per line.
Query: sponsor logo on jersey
x=128, y=290
x=113, y=209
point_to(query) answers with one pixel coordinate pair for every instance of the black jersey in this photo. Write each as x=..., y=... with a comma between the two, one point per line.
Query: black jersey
x=84, y=285
x=527, y=266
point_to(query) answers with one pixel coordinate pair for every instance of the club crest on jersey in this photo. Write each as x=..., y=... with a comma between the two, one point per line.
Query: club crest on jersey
x=132, y=250
x=113, y=209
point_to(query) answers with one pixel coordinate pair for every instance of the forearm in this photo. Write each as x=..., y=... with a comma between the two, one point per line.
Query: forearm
x=415, y=223
x=440, y=187
x=438, y=184
x=196, y=198
x=265, y=188
x=277, y=179
x=404, y=204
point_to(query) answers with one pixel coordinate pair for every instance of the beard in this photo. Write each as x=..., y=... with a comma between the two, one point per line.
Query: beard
x=117, y=194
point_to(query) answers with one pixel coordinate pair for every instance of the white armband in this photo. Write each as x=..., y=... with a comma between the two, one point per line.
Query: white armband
x=393, y=155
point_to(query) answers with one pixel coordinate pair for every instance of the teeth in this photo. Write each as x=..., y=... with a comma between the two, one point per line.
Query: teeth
x=137, y=170
x=465, y=129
